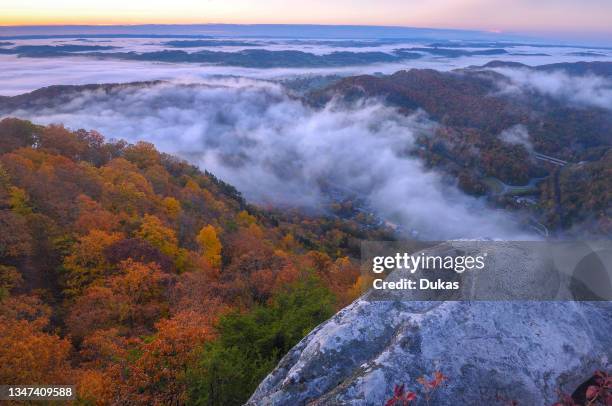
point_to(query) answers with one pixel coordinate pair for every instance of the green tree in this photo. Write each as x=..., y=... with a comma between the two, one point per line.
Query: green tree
x=250, y=344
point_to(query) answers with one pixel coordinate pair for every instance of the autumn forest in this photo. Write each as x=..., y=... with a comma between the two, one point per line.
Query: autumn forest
x=142, y=280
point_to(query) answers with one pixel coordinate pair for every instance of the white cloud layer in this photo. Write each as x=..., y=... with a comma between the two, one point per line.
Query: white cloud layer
x=277, y=150
x=21, y=74
x=586, y=90
x=517, y=135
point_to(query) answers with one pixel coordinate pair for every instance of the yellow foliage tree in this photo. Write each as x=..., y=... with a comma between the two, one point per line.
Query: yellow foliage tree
x=361, y=285
x=10, y=278
x=143, y=154
x=19, y=201
x=125, y=188
x=244, y=219
x=210, y=244
x=288, y=242
x=172, y=207
x=160, y=236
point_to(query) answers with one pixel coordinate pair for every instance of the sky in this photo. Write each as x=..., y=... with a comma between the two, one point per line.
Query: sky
x=578, y=18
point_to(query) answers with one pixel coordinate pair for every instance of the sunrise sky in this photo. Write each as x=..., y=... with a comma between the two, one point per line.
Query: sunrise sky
x=591, y=17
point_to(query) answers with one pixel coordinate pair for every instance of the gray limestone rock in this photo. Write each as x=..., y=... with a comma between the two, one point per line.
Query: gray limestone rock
x=491, y=350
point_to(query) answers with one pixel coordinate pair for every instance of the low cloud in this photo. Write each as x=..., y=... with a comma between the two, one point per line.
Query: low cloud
x=585, y=90
x=517, y=135
x=277, y=150
x=20, y=75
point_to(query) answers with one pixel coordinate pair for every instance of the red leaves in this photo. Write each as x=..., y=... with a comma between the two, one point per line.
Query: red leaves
x=398, y=391
x=402, y=398
x=439, y=377
x=591, y=392
x=431, y=385
x=598, y=393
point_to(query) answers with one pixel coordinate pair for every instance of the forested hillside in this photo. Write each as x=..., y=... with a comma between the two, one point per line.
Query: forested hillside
x=143, y=280
x=494, y=126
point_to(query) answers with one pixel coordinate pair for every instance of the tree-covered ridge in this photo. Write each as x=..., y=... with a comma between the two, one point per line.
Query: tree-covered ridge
x=474, y=108
x=138, y=277
x=581, y=194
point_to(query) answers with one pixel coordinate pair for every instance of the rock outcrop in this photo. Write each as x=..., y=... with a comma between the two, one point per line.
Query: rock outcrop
x=492, y=351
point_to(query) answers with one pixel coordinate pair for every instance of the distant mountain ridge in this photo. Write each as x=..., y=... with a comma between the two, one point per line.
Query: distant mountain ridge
x=574, y=68
x=57, y=94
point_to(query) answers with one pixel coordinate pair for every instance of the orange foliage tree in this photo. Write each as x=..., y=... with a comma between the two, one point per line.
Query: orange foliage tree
x=87, y=263
x=27, y=352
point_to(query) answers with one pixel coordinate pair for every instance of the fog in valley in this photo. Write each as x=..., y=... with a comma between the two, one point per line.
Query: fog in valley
x=278, y=151
x=241, y=124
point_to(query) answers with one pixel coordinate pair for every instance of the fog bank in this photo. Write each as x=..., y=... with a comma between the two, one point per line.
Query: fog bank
x=276, y=150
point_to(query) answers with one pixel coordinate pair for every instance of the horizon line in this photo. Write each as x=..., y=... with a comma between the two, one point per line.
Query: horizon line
x=516, y=35
x=256, y=24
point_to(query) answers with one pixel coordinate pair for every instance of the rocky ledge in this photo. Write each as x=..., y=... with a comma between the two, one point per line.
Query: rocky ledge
x=491, y=352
